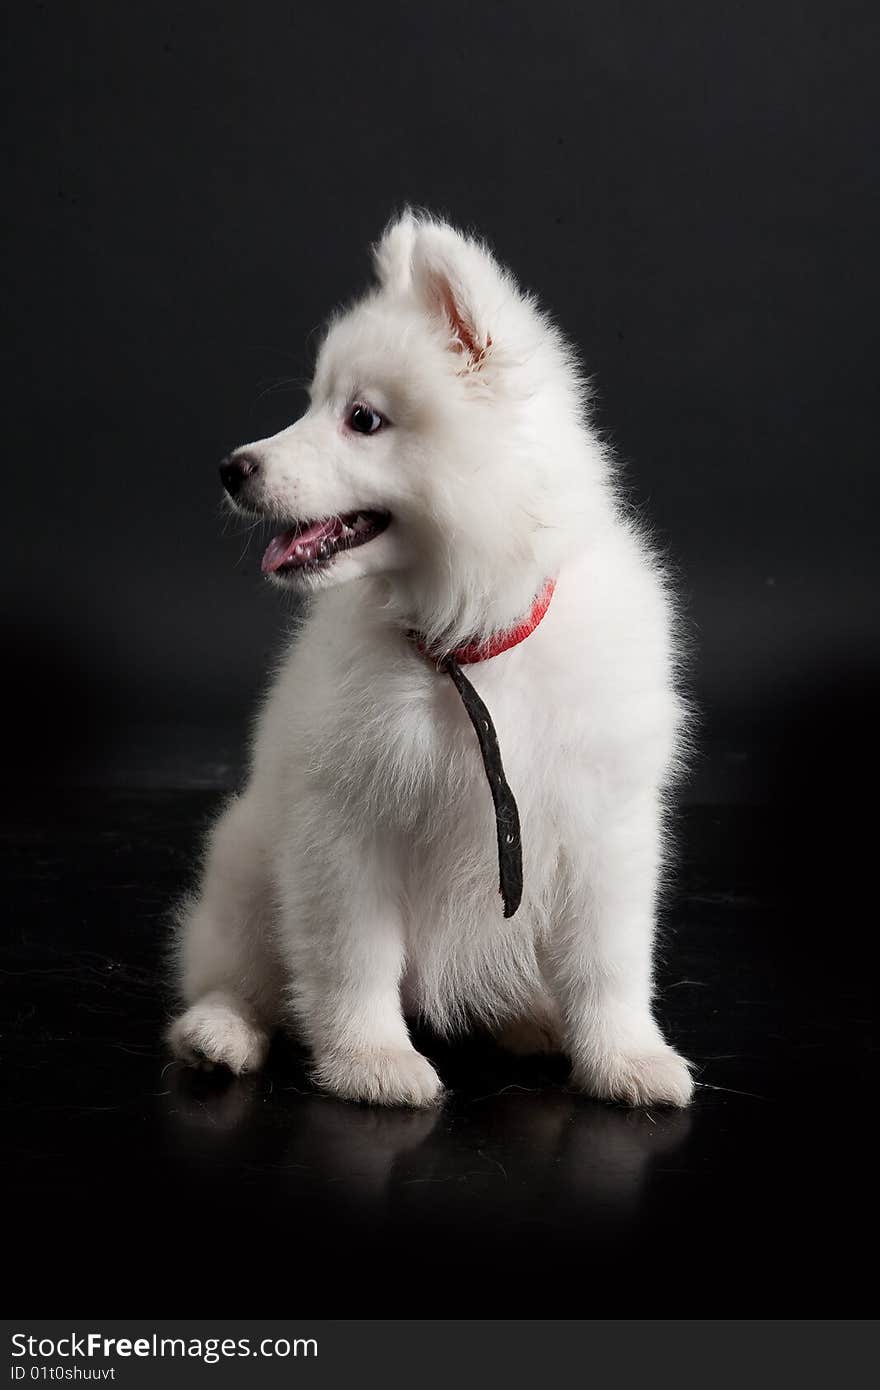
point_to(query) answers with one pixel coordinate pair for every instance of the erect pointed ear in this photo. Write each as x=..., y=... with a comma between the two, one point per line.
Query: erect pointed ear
x=392, y=254
x=457, y=281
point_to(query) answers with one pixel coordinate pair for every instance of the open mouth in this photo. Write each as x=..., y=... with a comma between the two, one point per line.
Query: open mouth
x=312, y=544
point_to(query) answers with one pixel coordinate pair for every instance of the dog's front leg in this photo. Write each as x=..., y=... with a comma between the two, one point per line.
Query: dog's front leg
x=344, y=939
x=599, y=961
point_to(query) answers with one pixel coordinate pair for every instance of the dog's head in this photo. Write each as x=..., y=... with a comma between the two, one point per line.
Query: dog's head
x=443, y=447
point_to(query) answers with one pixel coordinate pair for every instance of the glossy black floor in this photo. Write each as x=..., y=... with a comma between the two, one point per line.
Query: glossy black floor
x=139, y=1188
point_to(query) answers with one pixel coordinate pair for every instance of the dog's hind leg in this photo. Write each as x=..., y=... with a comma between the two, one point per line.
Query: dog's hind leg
x=537, y=1030
x=227, y=970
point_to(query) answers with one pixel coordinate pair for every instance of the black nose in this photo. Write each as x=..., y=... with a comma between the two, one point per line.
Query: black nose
x=235, y=471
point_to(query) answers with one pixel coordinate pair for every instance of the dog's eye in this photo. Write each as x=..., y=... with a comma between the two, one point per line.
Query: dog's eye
x=363, y=419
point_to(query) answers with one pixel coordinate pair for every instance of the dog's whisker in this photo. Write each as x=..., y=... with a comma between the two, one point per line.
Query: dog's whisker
x=274, y=388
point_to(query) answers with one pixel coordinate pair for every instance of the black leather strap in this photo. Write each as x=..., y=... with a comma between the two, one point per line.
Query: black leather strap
x=507, y=827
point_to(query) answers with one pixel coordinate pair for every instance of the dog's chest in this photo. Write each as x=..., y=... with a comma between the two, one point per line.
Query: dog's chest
x=401, y=742
x=384, y=741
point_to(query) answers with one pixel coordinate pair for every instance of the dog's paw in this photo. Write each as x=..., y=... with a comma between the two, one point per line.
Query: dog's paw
x=214, y=1033
x=654, y=1077
x=530, y=1037
x=380, y=1076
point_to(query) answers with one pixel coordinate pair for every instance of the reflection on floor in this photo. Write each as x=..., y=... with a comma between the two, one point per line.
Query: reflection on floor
x=143, y=1186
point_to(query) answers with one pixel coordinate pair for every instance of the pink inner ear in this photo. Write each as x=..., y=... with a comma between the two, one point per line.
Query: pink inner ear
x=461, y=327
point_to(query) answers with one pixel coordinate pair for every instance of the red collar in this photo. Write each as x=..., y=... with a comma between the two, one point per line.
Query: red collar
x=502, y=641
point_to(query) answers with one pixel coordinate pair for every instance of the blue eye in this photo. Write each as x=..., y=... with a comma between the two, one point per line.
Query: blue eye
x=363, y=419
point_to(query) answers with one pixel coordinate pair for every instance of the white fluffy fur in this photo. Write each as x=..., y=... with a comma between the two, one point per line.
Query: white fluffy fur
x=355, y=880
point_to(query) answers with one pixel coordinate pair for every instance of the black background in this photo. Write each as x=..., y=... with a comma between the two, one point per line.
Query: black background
x=691, y=190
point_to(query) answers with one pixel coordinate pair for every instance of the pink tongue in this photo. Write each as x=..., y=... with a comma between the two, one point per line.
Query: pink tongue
x=297, y=547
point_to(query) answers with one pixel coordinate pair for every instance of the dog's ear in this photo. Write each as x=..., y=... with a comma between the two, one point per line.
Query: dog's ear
x=392, y=254
x=458, y=281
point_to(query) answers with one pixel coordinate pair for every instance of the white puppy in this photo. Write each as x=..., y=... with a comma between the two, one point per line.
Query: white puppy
x=442, y=475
